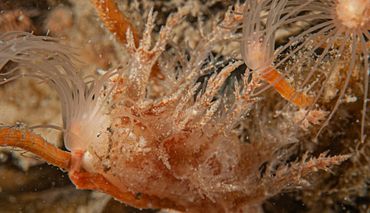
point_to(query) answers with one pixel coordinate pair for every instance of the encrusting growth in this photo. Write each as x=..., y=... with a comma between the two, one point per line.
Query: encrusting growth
x=123, y=136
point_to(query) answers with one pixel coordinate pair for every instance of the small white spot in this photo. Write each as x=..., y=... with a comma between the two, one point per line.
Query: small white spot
x=142, y=142
x=87, y=162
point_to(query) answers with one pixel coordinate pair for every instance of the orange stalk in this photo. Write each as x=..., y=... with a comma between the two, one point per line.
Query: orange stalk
x=118, y=24
x=115, y=21
x=274, y=78
x=90, y=181
x=31, y=142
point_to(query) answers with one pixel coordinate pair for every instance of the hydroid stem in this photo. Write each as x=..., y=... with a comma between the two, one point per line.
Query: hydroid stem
x=34, y=143
x=275, y=79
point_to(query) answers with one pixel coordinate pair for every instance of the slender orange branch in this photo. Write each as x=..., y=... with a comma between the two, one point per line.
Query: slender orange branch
x=86, y=180
x=115, y=21
x=118, y=24
x=274, y=78
x=29, y=141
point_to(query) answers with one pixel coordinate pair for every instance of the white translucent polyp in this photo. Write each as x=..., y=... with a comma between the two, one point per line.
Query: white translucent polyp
x=87, y=131
x=353, y=13
x=258, y=51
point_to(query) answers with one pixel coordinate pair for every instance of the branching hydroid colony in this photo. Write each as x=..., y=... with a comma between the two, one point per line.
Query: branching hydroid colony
x=174, y=144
